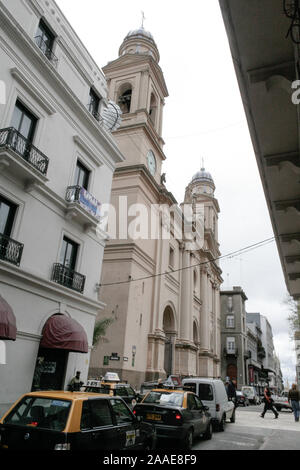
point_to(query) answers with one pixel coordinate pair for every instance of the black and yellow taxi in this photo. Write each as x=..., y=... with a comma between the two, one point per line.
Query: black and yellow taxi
x=111, y=385
x=178, y=415
x=60, y=420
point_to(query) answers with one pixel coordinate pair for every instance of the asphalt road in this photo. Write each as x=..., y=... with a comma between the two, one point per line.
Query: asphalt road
x=251, y=432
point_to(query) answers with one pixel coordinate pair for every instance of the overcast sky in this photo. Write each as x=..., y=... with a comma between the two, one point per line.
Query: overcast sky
x=203, y=118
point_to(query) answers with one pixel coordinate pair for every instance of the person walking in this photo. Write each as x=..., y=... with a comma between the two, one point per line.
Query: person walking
x=75, y=383
x=294, y=398
x=268, y=400
x=231, y=391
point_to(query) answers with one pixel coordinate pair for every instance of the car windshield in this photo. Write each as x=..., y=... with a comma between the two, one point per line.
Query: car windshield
x=101, y=389
x=164, y=398
x=40, y=412
x=247, y=391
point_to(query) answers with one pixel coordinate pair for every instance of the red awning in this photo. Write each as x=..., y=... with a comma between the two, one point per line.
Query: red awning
x=8, y=328
x=63, y=332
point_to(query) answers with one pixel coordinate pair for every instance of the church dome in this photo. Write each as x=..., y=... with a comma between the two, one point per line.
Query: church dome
x=139, y=41
x=202, y=176
x=140, y=32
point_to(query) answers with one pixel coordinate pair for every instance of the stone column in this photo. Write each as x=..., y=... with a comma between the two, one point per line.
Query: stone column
x=186, y=297
x=204, y=318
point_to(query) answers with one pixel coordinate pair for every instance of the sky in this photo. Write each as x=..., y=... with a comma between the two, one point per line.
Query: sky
x=203, y=119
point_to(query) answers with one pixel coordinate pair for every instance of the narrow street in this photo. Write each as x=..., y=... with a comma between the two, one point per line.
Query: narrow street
x=250, y=432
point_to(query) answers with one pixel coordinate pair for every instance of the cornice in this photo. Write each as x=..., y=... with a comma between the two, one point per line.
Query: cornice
x=135, y=61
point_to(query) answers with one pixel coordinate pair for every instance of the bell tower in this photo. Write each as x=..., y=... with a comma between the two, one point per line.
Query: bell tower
x=136, y=83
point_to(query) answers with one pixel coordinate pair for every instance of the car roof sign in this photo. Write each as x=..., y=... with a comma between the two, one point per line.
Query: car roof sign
x=111, y=377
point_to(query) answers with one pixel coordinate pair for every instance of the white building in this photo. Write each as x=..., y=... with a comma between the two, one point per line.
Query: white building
x=56, y=162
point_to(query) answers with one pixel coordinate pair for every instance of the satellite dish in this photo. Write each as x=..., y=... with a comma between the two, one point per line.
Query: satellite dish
x=111, y=116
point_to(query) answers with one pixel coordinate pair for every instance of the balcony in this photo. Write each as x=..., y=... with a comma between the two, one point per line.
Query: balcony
x=46, y=50
x=230, y=352
x=261, y=353
x=83, y=206
x=68, y=278
x=10, y=250
x=247, y=354
x=23, y=159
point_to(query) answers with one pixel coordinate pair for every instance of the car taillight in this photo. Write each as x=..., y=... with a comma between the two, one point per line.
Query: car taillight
x=62, y=447
x=178, y=416
x=134, y=412
x=217, y=407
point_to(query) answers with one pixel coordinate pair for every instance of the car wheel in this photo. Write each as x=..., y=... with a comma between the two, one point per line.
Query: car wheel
x=188, y=441
x=208, y=433
x=222, y=423
x=232, y=419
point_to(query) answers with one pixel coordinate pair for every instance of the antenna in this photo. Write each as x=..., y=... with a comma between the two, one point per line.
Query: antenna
x=143, y=18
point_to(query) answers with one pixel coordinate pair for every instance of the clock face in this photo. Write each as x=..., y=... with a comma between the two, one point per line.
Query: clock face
x=151, y=161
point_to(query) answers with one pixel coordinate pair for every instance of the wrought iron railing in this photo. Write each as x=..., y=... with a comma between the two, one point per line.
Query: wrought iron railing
x=67, y=277
x=84, y=199
x=230, y=351
x=46, y=50
x=10, y=250
x=11, y=138
x=93, y=111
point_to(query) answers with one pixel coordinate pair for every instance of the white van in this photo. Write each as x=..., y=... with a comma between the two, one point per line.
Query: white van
x=213, y=394
x=251, y=393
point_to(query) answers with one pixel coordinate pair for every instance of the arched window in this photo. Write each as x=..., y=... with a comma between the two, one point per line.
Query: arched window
x=153, y=108
x=124, y=100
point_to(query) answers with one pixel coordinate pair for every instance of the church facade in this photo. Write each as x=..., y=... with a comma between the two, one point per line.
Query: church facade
x=160, y=277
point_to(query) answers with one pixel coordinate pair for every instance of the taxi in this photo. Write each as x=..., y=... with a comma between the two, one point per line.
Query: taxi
x=177, y=415
x=111, y=385
x=60, y=420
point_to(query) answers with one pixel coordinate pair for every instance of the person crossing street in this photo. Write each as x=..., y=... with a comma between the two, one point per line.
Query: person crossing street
x=268, y=403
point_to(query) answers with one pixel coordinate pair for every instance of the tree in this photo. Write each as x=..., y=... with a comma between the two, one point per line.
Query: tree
x=294, y=315
x=100, y=330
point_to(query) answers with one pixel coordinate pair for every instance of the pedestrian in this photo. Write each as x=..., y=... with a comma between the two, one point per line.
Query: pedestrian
x=75, y=383
x=160, y=383
x=294, y=398
x=230, y=389
x=268, y=401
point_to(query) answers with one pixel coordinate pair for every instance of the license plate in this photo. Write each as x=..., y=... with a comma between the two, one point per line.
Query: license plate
x=153, y=417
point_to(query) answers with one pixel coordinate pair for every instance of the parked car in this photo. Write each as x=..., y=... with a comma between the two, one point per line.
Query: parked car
x=213, y=394
x=111, y=385
x=172, y=382
x=177, y=415
x=58, y=420
x=281, y=402
x=241, y=399
x=252, y=395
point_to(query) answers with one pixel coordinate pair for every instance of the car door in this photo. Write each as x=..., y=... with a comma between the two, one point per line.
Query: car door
x=127, y=426
x=196, y=413
x=203, y=413
x=97, y=428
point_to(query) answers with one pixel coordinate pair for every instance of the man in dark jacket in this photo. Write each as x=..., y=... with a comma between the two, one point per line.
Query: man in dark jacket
x=294, y=398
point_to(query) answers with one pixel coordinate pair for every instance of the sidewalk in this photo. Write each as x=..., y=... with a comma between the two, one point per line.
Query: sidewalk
x=285, y=421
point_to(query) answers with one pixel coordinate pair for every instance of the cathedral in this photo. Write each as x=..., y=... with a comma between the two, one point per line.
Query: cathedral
x=161, y=277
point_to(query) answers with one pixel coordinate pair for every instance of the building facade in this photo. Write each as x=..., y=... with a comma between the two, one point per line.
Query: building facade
x=256, y=376
x=234, y=335
x=56, y=162
x=161, y=291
